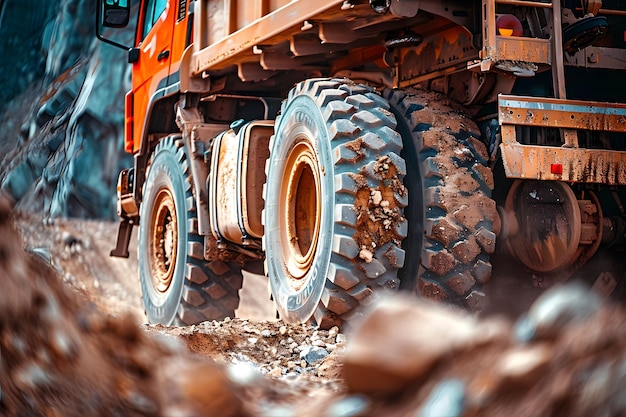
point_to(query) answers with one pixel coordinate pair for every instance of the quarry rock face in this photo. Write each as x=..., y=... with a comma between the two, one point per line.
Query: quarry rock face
x=25, y=26
x=61, y=146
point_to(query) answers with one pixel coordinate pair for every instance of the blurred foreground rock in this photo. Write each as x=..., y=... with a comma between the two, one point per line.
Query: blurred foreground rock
x=424, y=360
x=61, y=356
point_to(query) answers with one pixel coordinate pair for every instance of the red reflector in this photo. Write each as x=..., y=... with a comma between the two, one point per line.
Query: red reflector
x=556, y=169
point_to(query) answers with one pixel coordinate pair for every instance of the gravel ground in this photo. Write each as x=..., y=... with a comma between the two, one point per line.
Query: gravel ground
x=74, y=342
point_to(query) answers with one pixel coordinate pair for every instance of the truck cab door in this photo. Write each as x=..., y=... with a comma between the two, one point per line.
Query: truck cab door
x=152, y=67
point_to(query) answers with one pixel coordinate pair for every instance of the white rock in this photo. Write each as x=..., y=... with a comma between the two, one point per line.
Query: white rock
x=366, y=255
x=333, y=331
x=377, y=197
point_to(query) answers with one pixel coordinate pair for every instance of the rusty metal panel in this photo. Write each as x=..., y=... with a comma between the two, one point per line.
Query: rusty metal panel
x=578, y=165
x=506, y=48
x=237, y=178
x=522, y=49
x=571, y=164
x=220, y=26
x=527, y=3
x=223, y=196
x=597, y=57
x=252, y=177
x=245, y=12
x=570, y=114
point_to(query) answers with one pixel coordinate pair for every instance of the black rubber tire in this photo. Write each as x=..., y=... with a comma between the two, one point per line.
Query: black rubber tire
x=453, y=221
x=583, y=33
x=350, y=135
x=195, y=290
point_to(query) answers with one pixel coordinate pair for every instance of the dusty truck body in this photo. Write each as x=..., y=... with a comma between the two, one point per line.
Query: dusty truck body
x=351, y=147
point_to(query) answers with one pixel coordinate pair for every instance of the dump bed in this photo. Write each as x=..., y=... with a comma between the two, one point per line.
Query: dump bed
x=321, y=37
x=226, y=32
x=277, y=35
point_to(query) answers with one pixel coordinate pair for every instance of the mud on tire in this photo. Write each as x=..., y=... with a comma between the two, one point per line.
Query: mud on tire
x=453, y=220
x=178, y=286
x=334, y=202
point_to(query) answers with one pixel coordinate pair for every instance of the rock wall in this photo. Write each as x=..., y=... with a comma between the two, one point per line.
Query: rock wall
x=61, y=147
x=25, y=26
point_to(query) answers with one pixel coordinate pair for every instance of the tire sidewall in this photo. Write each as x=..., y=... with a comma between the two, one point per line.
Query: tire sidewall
x=414, y=212
x=301, y=118
x=164, y=172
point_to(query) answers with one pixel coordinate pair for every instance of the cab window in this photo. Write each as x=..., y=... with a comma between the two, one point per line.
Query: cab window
x=152, y=12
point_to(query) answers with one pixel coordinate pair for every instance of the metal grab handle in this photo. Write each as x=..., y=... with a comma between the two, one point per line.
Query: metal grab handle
x=163, y=55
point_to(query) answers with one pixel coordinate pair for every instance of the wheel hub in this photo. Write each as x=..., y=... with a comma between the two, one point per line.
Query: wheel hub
x=299, y=208
x=547, y=223
x=163, y=241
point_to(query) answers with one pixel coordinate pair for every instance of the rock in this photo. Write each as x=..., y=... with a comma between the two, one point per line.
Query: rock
x=366, y=255
x=333, y=332
x=376, y=197
x=282, y=411
x=401, y=339
x=22, y=27
x=596, y=392
x=197, y=388
x=313, y=354
x=243, y=373
x=350, y=406
x=19, y=180
x=68, y=239
x=62, y=356
x=556, y=308
x=446, y=400
x=330, y=367
x=524, y=364
x=44, y=253
x=71, y=148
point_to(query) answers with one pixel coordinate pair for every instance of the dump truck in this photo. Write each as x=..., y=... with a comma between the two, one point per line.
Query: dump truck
x=350, y=148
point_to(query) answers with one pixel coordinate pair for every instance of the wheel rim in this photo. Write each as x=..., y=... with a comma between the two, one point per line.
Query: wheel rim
x=163, y=241
x=556, y=248
x=299, y=208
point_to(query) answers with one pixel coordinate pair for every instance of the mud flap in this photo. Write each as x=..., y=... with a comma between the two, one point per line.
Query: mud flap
x=123, y=239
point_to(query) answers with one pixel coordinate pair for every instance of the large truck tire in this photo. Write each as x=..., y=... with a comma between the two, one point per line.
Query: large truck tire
x=178, y=286
x=453, y=220
x=334, y=202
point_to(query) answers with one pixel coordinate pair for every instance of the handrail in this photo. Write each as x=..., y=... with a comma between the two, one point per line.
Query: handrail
x=612, y=12
x=525, y=3
x=536, y=3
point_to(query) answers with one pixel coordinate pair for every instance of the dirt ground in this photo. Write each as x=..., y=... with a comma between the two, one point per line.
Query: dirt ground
x=84, y=348
x=80, y=250
x=253, y=344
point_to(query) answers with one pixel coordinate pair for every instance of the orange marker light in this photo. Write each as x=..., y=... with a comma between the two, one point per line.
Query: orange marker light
x=509, y=25
x=128, y=122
